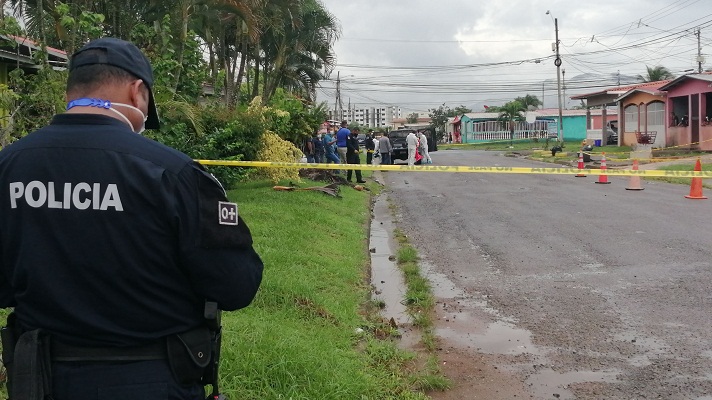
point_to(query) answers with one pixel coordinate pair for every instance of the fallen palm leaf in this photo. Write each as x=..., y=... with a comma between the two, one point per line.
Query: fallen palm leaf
x=286, y=188
x=331, y=190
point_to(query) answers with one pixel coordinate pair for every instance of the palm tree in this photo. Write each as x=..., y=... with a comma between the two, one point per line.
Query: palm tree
x=511, y=112
x=529, y=101
x=299, y=51
x=658, y=73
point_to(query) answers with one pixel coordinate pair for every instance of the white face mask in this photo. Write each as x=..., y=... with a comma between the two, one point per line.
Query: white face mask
x=145, y=117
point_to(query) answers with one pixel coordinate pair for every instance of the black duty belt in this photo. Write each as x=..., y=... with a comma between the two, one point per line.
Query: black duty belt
x=66, y=352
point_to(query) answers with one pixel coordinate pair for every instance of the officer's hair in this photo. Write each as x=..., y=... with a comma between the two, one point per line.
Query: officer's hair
x=88, y=78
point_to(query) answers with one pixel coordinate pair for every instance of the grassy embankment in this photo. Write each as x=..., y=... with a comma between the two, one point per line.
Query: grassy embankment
x=313, y=332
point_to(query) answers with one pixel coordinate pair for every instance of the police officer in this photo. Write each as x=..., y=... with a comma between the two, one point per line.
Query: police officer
x=111, y=243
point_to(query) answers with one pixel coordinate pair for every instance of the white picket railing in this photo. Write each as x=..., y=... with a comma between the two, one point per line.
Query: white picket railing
x=498, y=130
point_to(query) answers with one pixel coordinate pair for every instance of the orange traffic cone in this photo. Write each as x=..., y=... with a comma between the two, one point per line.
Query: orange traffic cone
x=696, y=186
x=634, y=183
x=603, y=178
x=580, y=166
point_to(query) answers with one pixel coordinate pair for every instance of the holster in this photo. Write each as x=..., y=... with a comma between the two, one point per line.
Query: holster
x=189, y=353
x=31, y=370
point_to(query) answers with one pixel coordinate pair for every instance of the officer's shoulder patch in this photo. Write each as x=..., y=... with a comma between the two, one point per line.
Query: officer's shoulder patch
x=220, y=222
x=227, y=213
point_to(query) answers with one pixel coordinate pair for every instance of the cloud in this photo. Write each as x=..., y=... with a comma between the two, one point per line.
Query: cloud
x=599, y=38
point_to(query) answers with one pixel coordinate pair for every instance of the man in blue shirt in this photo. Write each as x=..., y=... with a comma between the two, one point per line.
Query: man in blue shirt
x=342, y=137
x=329, y=142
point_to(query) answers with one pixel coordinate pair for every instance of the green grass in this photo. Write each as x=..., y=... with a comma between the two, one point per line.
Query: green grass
x=299, y=338
x=707, y=183
x=420, y=305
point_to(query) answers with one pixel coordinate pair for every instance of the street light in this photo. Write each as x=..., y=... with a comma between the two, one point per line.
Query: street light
x=557, y=62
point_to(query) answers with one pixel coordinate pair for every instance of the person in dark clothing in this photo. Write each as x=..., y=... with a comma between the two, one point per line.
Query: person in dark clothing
x=318, y=143
x=370, y=148
x=353, y=157
x=309, y=149
x=112, y=244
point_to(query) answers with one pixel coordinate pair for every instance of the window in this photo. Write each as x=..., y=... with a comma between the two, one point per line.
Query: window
x=631, y=118
x=656, y=114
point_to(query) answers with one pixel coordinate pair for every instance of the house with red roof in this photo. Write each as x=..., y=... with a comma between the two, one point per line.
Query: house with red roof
x=643, y=110
x=662, y=114
x=19, y=52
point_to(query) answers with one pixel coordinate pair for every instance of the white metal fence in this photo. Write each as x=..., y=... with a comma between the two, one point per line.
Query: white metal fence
x=499, y=130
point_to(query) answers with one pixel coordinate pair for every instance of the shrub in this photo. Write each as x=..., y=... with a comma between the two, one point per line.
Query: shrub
x=276, y=149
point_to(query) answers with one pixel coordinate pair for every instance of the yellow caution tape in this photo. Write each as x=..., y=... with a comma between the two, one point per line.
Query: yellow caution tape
x=445, y=168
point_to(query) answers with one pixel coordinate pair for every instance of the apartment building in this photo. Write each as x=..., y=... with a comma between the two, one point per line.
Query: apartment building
x=373, y=117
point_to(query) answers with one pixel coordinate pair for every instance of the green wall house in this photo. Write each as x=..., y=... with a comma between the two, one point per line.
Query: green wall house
x=485, y=127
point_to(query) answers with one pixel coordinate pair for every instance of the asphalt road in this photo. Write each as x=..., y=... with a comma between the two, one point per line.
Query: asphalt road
x=579, y=290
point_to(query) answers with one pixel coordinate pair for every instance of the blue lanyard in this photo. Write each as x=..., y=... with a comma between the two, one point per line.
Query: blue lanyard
x=88, y=102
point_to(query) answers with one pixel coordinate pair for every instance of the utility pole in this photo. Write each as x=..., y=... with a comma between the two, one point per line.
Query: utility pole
x=337, y=111
x=542, y=95
x=699, y=52
x=557, y=62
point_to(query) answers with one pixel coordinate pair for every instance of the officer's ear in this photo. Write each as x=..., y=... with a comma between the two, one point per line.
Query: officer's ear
x=138, y=95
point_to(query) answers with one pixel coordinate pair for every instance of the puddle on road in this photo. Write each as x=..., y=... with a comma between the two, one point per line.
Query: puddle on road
x=489, y=332
x=498, y=338
x=386, y=277
x=466, y=321
x=546, y=382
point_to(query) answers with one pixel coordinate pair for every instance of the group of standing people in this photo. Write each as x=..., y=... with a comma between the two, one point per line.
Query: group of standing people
x=378, y=149
x=342, y=147
x=339, y=147
x=418, y=148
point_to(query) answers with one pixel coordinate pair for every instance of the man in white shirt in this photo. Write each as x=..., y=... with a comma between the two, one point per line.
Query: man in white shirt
x=412, y=141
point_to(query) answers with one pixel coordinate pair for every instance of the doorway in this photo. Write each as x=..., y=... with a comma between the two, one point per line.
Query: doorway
x=695, y=119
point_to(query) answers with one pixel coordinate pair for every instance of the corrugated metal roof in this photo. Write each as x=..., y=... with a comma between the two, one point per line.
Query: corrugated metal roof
x=619, y=90
x=705, y=76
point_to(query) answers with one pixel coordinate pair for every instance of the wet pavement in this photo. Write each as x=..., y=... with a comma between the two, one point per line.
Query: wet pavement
x=552, y=287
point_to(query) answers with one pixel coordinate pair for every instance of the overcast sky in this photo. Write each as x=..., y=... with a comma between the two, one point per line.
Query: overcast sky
x=419, y=54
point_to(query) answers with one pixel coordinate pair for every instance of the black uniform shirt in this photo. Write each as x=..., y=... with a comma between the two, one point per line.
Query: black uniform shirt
x=352, y=145
x=110, y=238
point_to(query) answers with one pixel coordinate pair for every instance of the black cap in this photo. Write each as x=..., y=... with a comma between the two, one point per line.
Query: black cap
x=122, y=54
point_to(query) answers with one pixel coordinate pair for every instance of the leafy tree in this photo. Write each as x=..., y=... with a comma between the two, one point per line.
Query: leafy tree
x=439, y=117
x=39, y=97
x=529, y=101
x=412, y=118
x=8, y=102
x=276, y=50
x=299, y=52
x=658, y=73
x=460, y=110
x=511, y=113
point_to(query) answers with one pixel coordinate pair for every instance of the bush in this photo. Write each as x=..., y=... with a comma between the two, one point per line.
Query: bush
x=277, y=149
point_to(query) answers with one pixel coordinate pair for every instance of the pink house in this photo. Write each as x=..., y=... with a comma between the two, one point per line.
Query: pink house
x=689, y=111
